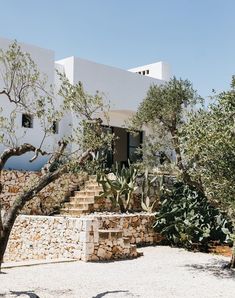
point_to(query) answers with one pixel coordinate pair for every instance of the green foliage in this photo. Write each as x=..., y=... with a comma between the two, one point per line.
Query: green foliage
x=186, y=219
x=94, y=166
x=151, y=187
x=208, y=143
x=166, y=103
x=163, y=111
x=88, y=111
x=28, y=92
x=120, y=187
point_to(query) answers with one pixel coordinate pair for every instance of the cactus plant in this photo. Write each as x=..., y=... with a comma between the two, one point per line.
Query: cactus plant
x=151, y=190
x=120, y=189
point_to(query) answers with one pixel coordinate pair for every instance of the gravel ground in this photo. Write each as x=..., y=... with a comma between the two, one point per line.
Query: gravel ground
x=161, y=273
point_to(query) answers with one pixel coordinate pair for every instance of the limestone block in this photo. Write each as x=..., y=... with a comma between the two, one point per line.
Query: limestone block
x=88, y=248
x=86, y=237
x=101, y=253
x=120, y=242
x=94, y=258
x=96, y=237
x=109, y=243
x=108, y=255
x=85, y=258
x=87, y=225
x=77, y=254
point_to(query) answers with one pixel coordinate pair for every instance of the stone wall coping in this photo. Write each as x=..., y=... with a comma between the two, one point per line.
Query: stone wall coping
x=90, y=216
x=109, y=230
x=123, y=215
x=45, y=217
x=88, y=238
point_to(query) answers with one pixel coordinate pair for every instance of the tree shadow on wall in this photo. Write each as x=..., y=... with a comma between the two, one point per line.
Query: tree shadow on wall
x=30, y=294
x=100, y=295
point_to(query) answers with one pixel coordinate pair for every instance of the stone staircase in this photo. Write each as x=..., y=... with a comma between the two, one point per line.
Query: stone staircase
x=82, y=202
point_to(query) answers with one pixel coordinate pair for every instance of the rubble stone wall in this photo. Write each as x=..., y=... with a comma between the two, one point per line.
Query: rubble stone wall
x=138, y=227
x=43, y=237
x=88, y=238
x=47, y=201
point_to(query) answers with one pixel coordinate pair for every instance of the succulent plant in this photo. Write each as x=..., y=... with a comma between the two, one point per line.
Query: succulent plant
x=121, y=187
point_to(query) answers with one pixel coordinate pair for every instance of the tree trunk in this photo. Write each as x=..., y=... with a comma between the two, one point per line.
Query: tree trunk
x=19, y=203
x=4, y=237
x=9, y=219
x=179, y=162
x=232, y=261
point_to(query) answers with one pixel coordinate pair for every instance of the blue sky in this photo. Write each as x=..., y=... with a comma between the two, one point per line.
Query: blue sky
x=195, y=36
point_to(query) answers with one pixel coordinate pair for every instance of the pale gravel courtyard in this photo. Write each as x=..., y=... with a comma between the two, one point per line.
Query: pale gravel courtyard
x=162, y=272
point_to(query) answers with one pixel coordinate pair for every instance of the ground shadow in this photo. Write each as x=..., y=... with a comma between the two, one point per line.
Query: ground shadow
x=30, y=294
x=118, y=260
x=100, y=295
x=217, y=268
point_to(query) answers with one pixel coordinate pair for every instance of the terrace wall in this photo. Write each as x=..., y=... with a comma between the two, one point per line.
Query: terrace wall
x=89, y=238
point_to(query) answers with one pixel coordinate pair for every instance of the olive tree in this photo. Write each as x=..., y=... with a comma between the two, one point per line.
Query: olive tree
x=208, y=140
x=25, y=89
x=164, y=111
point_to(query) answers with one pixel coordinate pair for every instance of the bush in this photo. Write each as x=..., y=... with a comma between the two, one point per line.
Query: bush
x=187, y=219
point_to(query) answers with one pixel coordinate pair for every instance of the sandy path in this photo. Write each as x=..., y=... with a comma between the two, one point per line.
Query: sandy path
x=162, y=272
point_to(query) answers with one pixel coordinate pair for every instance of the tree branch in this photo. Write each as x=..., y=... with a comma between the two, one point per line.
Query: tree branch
x=19, y=151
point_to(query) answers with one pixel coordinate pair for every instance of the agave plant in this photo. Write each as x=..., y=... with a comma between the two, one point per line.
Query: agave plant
x=151, y=189
x=120, y=189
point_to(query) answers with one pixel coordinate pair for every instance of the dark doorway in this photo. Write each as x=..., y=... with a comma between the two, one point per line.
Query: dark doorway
x=124, y=147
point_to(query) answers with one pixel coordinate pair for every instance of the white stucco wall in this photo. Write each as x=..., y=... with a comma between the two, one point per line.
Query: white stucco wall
x=124, y=90
x=45, y=61
x=159, y=70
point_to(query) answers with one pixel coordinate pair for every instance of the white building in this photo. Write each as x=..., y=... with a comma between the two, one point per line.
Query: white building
x=124, y=89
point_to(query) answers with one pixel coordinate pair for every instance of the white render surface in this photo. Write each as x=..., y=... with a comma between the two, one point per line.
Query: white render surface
x=45, y=61
x=162, y=272
x=159, y=70
x=123, y=90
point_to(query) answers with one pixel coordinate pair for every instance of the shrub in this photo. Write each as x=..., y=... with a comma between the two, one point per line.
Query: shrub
x=187, y=219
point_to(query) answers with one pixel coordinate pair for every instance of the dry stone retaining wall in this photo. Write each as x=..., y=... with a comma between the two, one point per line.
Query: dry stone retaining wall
x=43, y=237
x=138, y=226
x=89, y=238
x=48, y=200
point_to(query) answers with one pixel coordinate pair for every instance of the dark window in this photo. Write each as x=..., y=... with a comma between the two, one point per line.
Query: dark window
x=107, y=153
x=143, y=72
x=147, y=71
x=27, y=121
x=134, y=141
x=55, y=127
x=139, y=72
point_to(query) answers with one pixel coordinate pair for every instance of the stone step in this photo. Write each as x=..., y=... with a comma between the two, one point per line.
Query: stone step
x=93, y=187
x=77, y=200
x=71, y=205
x=85, y=197
x=73, y=211
x=86, y=193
